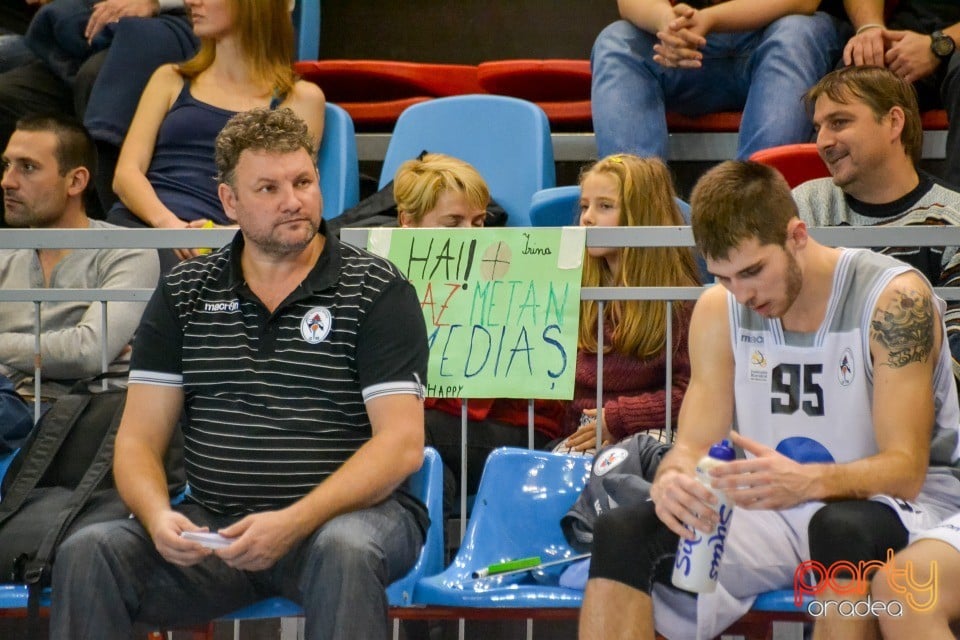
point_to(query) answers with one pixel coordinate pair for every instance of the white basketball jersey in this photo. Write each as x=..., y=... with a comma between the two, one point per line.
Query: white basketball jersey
x=810, y=395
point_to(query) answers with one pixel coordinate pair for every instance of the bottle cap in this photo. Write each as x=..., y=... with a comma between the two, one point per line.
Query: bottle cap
x=723, y=450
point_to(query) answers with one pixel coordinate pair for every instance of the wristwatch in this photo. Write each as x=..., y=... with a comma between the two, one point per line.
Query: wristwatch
x=942, y=45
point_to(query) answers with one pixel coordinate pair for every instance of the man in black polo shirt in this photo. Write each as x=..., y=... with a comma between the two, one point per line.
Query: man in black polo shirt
x=299, y=362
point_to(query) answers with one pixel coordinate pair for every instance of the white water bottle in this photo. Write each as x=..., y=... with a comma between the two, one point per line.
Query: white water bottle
x=697, y=563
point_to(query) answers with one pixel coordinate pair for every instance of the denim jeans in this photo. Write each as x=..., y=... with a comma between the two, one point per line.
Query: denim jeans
x=13, y=52
x=764, y=73
x=109, y=575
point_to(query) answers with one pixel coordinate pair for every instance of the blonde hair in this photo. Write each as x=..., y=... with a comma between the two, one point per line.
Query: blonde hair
x=265, y=33
x=419, y=183
x=647, y=198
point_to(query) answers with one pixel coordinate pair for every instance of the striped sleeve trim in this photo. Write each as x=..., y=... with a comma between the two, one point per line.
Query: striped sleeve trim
x=393, y=388
x=156, y=378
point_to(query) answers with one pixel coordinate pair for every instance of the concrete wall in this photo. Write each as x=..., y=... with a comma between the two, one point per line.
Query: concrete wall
x=462, y=31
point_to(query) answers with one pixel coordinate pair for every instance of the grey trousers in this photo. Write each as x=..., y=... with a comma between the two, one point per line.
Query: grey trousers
x=108, y=576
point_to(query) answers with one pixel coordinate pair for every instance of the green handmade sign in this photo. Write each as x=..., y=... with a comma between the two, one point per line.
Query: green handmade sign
x=501, y=306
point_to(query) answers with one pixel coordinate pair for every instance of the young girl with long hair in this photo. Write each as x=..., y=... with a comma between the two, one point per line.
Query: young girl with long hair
x=627, y=191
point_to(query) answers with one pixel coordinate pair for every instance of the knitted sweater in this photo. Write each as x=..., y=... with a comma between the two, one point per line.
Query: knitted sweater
x=634, y=395
x=546, y=418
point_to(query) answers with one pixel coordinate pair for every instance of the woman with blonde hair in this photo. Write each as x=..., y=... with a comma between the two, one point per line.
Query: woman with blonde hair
x=165, y=175
x=437, y=190
x=627, y=191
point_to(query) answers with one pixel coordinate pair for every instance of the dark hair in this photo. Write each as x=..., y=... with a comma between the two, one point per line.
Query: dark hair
x=75, y=146
x=879, y=89
x=735, y=201
x=271, y=130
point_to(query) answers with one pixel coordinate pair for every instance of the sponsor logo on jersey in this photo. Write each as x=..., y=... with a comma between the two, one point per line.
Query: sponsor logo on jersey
x=316, y=325
x=845, y=370
x=751, y=339
x=758, y=366
x=221, y=306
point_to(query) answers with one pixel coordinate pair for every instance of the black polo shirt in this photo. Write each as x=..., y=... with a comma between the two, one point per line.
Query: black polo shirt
x=275, y=402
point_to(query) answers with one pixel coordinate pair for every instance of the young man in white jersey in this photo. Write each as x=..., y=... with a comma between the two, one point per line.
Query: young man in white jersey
x=832, y=368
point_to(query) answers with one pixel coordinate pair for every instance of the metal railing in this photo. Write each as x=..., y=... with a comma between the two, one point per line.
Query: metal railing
x=920, y=236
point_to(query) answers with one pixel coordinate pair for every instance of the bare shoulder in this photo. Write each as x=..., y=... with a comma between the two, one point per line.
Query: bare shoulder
x=904, y=325
x=167, y=75
x=710, y=322
x=165, y=81
x=307, y=101
x=712, y=302
x=308, y=94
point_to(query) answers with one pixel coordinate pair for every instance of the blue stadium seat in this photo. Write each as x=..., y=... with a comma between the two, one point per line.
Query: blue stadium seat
x=522, y=496
x=426, y=484
x=5, y=461
x=306, y=22
x=556, y=207
x=506, y=139
x=337, y=163
x=15, y=596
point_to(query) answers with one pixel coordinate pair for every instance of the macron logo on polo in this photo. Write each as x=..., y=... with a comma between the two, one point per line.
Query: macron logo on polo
x=221, y=306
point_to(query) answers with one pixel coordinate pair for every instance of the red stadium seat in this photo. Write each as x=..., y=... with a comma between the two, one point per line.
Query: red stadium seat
x=560, y=87
x=797, y=162
x=935, y=120
x=375, y=92
x=720, y=122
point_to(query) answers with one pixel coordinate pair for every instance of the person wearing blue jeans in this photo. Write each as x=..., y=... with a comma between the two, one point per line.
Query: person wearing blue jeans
x=14, y=18
x=758, y=57
x=14, y=52
x=357, y=551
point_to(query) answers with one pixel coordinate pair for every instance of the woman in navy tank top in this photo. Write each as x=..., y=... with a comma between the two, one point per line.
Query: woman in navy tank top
x=166, y=176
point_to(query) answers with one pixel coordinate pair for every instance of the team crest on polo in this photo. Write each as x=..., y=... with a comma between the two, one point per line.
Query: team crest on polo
x=316, y=325
x=609, y=459
x=845, y=368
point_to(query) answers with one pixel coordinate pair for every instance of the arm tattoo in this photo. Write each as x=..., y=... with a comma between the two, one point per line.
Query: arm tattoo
x=905, y=328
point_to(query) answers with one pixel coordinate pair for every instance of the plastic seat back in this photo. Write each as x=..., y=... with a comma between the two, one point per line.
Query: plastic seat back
x=797, y=162
x=427, y=485
x=506, y=139
x=523, y=495
x=560, y=87
x=5, y=461
x=306, y=23
x=556, y=207
x=337, y=163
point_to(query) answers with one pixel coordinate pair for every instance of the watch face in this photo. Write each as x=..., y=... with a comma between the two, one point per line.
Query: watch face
x=942, y=45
